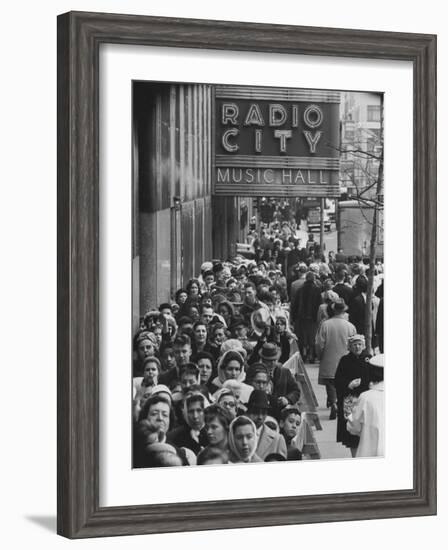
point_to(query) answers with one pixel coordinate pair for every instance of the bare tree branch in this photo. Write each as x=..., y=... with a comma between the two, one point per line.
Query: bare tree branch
x=355, y=151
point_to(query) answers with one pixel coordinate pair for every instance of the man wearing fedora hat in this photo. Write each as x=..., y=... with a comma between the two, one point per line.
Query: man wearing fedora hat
x=331, y=344
x=269, y=441
x=285, y=390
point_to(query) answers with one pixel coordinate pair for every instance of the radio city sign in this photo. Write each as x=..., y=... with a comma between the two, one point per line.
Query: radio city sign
x=272, y=176
x=276, y=141
x=245, y=126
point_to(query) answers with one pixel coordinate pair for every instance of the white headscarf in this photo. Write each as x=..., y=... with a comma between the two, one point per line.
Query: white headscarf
x=233, y=344
x=221, y=373
x=232, y=445
x=197, y=396
x=222, y=391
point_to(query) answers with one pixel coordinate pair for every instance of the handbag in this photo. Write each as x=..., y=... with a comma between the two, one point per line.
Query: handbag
x=349, y=403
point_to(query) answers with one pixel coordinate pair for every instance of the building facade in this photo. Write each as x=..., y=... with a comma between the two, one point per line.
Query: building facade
x=361, y=150
x=202, y=154
x=361, y=115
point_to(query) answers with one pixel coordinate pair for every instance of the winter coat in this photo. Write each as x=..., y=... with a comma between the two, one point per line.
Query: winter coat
x=344, y=291
x=350, y=367
x=367, y=421
x=181, y=437
x=270, y=442
x=357, y=312
x=306, y=303
x=295, y=287
x=284, y=385
x=332, y=343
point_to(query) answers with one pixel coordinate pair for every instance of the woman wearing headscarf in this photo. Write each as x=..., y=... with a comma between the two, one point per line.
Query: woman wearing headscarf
x=351, y=379
x=243, y=441
x=238, y=389
x=284, y=338
x=231, y=367
x=227, y=400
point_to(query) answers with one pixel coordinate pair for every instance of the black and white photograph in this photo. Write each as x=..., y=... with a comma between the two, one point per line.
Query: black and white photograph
x=257, y=274
x=201, y=201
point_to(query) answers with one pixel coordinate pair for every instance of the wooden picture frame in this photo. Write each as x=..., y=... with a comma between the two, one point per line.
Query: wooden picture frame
x=79, y=38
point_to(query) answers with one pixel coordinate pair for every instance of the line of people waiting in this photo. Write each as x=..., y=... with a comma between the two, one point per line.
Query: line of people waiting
x=209, y=385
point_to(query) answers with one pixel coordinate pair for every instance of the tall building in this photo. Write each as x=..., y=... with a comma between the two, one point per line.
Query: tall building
x=360, y=142
x=361, y=148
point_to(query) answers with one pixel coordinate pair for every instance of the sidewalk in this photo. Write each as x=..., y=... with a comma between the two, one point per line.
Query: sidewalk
x=326, y=438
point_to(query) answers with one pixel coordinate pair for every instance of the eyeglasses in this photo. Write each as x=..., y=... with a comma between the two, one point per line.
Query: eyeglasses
x=229, y=405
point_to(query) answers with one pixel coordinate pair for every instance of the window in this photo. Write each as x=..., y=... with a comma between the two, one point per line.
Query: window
x=349, y=134
x=373, y=113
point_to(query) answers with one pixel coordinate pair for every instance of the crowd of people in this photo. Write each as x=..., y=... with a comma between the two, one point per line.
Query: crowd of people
x=209, y=381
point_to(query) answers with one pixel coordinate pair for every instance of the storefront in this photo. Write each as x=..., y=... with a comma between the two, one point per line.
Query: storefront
x=201, y=153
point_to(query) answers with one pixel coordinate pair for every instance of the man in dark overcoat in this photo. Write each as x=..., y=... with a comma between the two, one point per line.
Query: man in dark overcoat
x=304, y=310
x=285, y=390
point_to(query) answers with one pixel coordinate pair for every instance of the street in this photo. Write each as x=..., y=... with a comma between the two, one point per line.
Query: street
x=330, y=237
x=325, y=438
